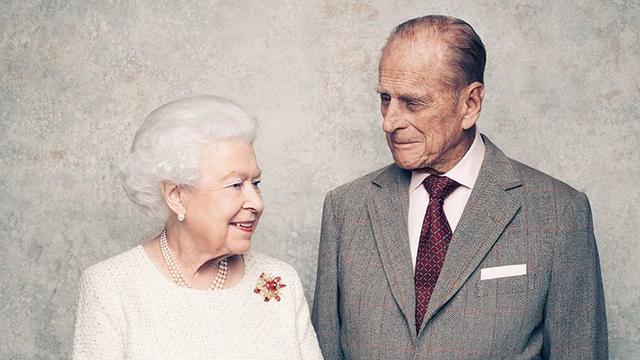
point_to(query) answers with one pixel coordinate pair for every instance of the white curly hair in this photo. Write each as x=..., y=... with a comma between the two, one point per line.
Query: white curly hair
x=168, y=144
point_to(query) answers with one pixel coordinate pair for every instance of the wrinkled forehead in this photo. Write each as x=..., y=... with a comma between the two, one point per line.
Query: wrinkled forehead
x=416, y=60
x=427, y=52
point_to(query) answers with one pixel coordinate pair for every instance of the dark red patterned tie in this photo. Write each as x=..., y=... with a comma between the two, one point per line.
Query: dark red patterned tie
x=434, y=241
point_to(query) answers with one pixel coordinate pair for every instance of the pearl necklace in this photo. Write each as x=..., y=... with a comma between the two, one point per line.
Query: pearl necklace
x=176, y=274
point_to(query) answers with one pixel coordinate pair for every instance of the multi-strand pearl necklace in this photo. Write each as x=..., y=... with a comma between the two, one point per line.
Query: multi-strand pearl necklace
x=176, y=274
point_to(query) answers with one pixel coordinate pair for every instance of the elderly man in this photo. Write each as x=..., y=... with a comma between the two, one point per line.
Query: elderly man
x=455, y=251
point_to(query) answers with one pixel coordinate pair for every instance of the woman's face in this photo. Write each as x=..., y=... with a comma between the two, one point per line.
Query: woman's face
x=223, y=208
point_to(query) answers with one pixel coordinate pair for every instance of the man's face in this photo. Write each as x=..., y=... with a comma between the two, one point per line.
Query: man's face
x=422, y=116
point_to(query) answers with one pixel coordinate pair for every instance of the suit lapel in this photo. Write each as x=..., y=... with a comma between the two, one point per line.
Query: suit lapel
x=493, y=203
x=388, y=208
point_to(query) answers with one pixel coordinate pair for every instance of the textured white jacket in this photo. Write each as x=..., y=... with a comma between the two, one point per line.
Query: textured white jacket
x=129, y=310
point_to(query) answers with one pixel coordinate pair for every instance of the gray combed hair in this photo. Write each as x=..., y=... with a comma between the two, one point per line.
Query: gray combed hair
x=168, y=145
x=467, y=54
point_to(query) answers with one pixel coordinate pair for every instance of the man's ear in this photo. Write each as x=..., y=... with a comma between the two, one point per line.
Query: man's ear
x=174, y=197
x=473, y=94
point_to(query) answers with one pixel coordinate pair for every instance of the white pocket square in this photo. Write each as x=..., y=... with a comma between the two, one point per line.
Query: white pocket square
x=503, y=271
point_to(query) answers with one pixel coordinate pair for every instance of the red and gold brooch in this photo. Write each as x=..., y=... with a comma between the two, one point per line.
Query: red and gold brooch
x=269, y=287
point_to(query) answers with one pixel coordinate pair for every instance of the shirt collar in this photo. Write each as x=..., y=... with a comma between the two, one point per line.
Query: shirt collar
x=465, y=172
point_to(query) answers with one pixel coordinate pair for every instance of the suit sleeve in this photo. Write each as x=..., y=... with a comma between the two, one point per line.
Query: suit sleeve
x=307, y=341
x=575, y=317
x=325, y=314
x=99, y=321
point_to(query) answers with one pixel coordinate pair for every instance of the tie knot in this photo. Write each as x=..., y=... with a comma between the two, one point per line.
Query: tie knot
x=439, y=187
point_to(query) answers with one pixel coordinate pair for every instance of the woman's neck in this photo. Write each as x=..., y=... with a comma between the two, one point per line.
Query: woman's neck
x=190, y=254
x=198, y=265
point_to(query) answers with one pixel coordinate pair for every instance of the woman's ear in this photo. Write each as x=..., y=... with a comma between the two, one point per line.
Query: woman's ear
x=174, y=197
x=474, y=95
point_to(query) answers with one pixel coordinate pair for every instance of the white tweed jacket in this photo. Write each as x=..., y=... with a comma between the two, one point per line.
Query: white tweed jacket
x=129, y=310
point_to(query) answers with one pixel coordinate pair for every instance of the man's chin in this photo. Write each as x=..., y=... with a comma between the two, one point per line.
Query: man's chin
x=412, y=164
x=404, y=163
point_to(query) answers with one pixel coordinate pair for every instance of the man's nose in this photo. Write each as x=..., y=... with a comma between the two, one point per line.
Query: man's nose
x=392, y=116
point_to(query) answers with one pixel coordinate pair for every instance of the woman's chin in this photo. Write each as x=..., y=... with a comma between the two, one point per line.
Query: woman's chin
x=241, y=246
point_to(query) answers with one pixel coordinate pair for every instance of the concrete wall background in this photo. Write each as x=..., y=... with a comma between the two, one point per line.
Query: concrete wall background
x=77, y=78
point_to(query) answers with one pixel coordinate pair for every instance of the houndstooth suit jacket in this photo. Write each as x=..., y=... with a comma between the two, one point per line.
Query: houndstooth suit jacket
x=364, y=298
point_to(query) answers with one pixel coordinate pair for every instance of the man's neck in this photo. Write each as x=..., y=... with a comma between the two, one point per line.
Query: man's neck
x=454, y=155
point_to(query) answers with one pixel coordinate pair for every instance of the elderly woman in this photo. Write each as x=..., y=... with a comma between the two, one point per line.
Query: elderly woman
x=195, y=291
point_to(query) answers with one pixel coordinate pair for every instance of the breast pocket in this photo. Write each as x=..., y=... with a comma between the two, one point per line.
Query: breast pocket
x=506, y=285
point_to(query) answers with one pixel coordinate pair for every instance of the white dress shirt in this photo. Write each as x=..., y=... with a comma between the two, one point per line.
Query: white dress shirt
x=465, y=173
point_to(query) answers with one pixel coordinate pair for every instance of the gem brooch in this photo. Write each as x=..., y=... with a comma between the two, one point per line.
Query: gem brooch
x=269, y=287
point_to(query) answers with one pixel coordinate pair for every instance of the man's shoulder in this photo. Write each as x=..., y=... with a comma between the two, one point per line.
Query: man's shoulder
x=362, y=184
x=537, y=180
x=543, y=191
x=554, y=200
x=533, y=181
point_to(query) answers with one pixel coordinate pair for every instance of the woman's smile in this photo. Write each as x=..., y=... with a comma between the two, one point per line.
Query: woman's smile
x=246, y=226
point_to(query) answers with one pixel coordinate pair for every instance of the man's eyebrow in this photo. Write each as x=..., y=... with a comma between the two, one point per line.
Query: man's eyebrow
x=427, y=98
x=412, y=97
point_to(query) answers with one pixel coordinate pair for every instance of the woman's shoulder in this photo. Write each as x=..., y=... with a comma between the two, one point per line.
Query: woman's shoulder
x=128, y=262
x=268, y=264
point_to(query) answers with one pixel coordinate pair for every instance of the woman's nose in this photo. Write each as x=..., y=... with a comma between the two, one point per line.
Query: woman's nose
x=253, y=199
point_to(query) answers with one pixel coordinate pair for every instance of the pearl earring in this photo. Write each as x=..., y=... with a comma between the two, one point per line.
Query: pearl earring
x=180, y=217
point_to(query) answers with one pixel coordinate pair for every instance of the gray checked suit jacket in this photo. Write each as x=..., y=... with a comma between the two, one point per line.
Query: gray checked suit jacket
x=364, y=304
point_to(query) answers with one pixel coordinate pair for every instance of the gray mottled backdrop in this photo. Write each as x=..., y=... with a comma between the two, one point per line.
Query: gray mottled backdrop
x=77, y=78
